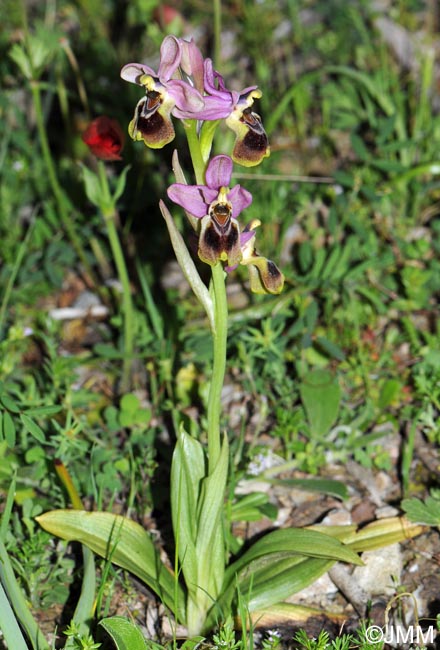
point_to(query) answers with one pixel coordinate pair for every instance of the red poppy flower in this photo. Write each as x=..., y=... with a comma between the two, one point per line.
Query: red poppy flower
x=105, y=138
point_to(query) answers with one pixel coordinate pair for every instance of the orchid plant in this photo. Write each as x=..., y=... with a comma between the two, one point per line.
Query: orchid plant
x=203, y=584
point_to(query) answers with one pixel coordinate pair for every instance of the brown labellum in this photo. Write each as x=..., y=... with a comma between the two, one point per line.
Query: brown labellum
x=220, y=236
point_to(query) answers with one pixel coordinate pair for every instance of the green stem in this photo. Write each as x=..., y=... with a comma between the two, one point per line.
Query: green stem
x=58, y=193
x=15, y=269
x=219, y=344
x=195, y=150
x=220, y=329
x=109, y=214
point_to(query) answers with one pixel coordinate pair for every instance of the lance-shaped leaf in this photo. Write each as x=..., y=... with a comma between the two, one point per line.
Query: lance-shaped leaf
x=187, y=472
x=276, y=581
x=187, y=265
x=120, y=184
x=278, y=565
x=197, y=508
x=210, y=545
x=11, y=593
x=296, y=541
x=9, y=624
x=268, y=581
x=125, y=634
x=293, y=615
x=378, y=534
x=322, y=485
x=124, y=542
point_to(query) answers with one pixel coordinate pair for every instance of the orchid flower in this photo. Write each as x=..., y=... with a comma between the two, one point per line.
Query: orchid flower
x=188, y=87
x=251, y=144
x=264, y=275
x=165, y=94
x=220, y=238
x=218, y=208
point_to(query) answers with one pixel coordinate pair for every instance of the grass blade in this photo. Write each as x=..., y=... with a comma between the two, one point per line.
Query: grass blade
x=9, y=625
x=18, y=602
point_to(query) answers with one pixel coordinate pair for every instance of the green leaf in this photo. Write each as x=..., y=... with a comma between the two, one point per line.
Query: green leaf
x=375, y=299
x=359, y=147
x=192, y=643
x=378, y=534
x=7, y=508
x=321, y=485
x=85, y=605
x=432, y=168
x=253, y=507
x=9, y=404
x=121, y=540
x=125, y=634
x=427, y=512
x=120, y=184
x=388, y=165
x=17, y=599
x=39, y=411
x=280, y=564
x=295, y=541
x=92, y=186
x=210, y=545
x=321, y=396
x=344, y=178
x=34, y=429
x=9, y=624
x=107, y=351
x=331, y=348
x=187, y=265
x=207, y=133
x=390, y=393
x=142, y=416
x=9, y=431
x=21, y=58
x=187, y=472
x=129, y=403
x=269, y=581
x=280, y=579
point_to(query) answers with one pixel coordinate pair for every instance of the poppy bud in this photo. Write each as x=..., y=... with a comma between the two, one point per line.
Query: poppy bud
x=105, y=138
